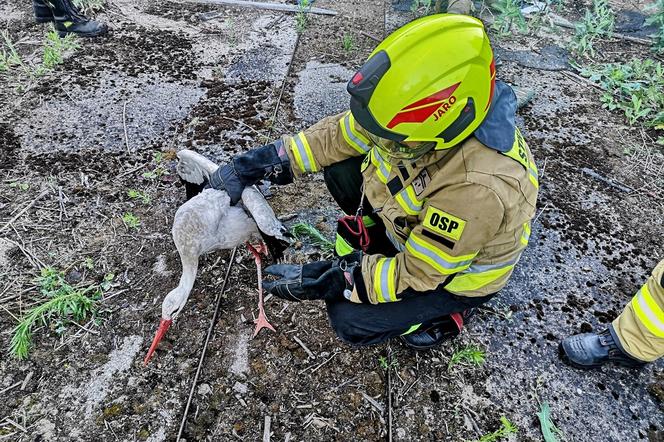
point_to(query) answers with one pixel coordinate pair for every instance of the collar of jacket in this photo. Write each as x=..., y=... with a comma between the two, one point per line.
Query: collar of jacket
x=497, y=129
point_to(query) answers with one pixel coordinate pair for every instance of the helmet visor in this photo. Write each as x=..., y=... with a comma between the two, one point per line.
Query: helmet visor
x=395, y=150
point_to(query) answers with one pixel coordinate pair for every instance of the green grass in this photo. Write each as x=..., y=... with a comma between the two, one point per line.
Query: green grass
x=550, y=432
x=384, y=364
x=657, y=18
x=348, y=42
x=19, y=185
x=634, y=88
x=54, y=49
x=131, y=221
x=469, y=355
x=596, y=23
x=63, y=304
x=302, y=17
x=138, y=195
x=506, y=428
x=306, y=230
x=8, y=55
x=509, y=15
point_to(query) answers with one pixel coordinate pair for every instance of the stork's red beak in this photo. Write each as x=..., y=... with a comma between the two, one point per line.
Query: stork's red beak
x=164, y=324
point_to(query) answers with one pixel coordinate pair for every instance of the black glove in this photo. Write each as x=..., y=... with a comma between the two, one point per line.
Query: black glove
x=270, y=161
x=329, y=280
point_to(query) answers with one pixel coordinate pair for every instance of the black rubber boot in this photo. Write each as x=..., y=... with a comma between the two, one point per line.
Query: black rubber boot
x=68, y=20
x=42, y=12
x=433, y=335
x=591, y=350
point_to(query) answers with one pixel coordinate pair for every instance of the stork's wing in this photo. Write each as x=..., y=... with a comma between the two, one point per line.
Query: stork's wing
x=263, y=214
x=194, y=167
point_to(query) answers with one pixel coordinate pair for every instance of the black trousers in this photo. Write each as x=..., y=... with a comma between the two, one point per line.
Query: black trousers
x=366, y=324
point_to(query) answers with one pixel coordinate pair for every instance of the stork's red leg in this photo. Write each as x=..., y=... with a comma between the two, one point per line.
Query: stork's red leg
x=261, y=322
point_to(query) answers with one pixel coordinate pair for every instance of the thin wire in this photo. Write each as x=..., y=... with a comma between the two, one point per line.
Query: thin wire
x=207, y=340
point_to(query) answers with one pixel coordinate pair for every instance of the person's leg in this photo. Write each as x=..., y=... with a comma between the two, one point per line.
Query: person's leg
x=66, y=18
x=366, y=324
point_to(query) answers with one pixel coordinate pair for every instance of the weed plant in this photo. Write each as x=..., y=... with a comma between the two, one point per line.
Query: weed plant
x=635, y=88
x=657, y=19
x=470, y=354
x=131, y=221
x=550, y=432
x=63, y=304
x=596, y=23
x=306, y=230
x=54, y=49
x=509, y=15
x=138, y=195
x=8, y=55
x=506, y=428
x=348, y=42
x=301, y=17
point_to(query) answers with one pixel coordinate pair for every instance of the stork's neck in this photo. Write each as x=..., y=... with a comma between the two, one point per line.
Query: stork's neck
x=189, y=269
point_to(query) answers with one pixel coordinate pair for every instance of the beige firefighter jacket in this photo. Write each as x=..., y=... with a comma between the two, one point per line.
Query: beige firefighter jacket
x=459, y=216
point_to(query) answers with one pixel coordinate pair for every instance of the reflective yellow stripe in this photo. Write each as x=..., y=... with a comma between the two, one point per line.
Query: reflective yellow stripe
x=342, y=247
x=354, y=138
x=436, y=258
x=408, y=201
x=304, y=157
x=525, y=236
x=384, y=279
x=297, y=155
x=533, y=174
x=411, y=329
x=383, y=168
x=648, y=312
x=478, y=276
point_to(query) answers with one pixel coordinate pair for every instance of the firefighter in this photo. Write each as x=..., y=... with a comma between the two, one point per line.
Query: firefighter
x=437, y=183
x=632, y=339
x=66, y=18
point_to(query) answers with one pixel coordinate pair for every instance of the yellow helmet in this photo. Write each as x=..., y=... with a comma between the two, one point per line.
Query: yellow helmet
x=427, y=85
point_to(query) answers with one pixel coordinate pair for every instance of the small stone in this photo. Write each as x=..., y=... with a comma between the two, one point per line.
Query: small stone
x=240, y=388
x=401, y=433
x=579, y=391
x=204, y=389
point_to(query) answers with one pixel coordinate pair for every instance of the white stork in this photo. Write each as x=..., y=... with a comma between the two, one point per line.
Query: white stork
x=207, y=222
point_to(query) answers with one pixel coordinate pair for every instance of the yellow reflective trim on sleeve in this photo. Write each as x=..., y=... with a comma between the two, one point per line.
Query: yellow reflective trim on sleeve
x=408, y=201
x=469, y=281
x=436, y=258
x=354, y=138
x=306, y=155
x=648, y=312
x=384, y=280
x=296, y=154
x=525, y=236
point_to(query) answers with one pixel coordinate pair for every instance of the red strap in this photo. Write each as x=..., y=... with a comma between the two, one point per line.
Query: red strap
x=361, y=232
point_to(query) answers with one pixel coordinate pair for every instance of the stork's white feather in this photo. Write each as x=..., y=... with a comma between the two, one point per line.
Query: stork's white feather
x=262, y=213
x=208, y=222
x=194, y=167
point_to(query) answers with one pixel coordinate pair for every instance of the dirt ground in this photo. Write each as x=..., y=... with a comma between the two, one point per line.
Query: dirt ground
x=172, y=75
